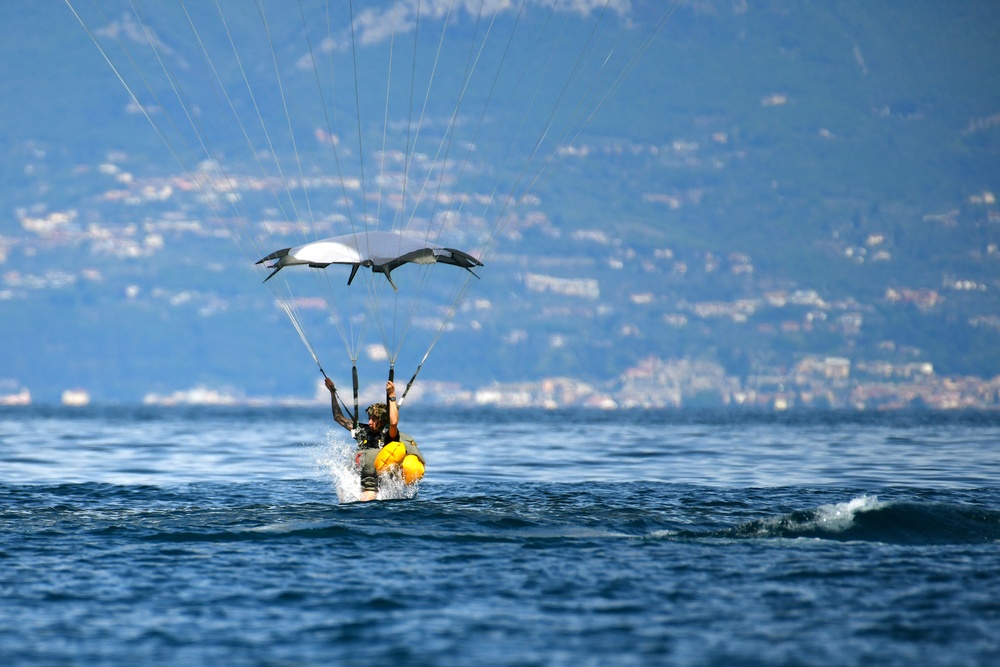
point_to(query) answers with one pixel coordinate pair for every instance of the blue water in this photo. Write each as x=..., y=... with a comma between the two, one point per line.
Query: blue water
x=228, y=537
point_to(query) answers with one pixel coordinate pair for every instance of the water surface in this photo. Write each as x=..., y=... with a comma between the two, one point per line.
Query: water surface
x=196, y=536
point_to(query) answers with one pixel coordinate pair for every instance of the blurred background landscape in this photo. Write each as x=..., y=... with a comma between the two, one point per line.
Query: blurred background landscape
x=784, y=205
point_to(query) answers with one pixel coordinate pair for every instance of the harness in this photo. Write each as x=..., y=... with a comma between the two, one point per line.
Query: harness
x=368, y=438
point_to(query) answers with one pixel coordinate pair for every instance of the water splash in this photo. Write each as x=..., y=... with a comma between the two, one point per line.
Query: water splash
x=826, y=521
x=840, y=516
x=392, y=487
x=336, y=459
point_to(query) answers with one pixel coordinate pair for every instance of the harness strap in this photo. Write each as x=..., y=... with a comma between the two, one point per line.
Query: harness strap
x=354, y=376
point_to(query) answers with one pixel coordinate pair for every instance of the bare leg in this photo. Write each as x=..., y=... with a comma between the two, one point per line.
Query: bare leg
x=368, y=495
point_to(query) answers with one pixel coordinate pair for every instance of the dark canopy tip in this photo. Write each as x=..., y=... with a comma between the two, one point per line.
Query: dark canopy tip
x=463, y=259
x=277, y=254
x=276, y=267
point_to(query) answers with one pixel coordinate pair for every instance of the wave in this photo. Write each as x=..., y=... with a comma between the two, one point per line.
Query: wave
x=866, y=519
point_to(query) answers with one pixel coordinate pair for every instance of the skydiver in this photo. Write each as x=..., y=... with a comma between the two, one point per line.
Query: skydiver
x=371, y=437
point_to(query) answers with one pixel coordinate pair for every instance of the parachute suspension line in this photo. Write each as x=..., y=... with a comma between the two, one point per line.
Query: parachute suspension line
x=385, y=120
x=524, y=115
x=538, y=85
x=372, y=288
x=374, y=300
x=526, y=112
x=385, y=132
x=465, y=287
x=288, y=119
x=555, y=157
x=530, y=174
x=346, y=332
x=185, y=106
x=449, y=134
x=400, y=333
x=297, y=323
x=322, y=99
x=452, y=310
x=124, y=83
x=409, y=383
x=562, y=93
x=471, y=62
x=209, y=196
x=529, y=61
x=471, y=66
x=330, y=299
x=485, y=109
x=333, y=79
x=220, y=87
x=128, y=88
x=409, y=117
x=632, y=62
x=351, y=342
x=570, y=137
x=256, y=106
x=199, y=133
x=357, y=102
x=514, y=200
x=470, y=69
x=427, y=96
x=394, y=346
x=370, y=282
x=581, y=110
x=284, y=301
x=462, y=291
x=356, y=339
x=503, y=218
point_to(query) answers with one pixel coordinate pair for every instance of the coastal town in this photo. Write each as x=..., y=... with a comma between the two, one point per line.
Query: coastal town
x=828, y=383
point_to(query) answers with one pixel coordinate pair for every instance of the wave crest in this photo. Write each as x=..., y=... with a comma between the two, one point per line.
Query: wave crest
x=866, y=519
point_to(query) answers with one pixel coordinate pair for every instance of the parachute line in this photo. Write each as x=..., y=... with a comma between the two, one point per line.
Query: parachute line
x=244, y=96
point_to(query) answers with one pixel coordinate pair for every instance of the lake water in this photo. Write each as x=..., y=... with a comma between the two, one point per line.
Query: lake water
x=229, y=537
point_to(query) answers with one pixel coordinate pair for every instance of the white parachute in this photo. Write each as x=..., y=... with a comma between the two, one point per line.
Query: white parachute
x=381, y=134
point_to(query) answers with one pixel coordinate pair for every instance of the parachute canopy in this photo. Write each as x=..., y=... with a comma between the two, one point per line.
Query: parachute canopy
x=380, y=251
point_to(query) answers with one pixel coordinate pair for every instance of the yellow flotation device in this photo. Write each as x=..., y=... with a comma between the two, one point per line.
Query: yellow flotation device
x=389, y=457
x=395, y=456
x=413, y=469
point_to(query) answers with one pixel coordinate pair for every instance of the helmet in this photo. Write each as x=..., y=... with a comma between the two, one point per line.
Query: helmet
x=378, y=411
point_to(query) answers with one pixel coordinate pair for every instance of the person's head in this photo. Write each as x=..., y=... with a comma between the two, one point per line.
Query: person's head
x=377, y=415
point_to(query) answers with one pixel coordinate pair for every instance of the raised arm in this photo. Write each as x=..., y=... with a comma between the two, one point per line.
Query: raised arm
x=390, y=392
x=338, y=415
